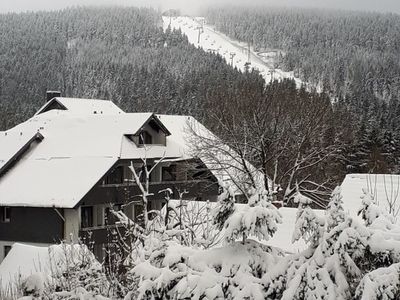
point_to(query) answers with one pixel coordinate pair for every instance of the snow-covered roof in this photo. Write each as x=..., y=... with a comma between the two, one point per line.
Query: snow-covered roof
x=83, y=106
x=11, y=143
x=22, y=261
x=74, y=144
x=384, y=187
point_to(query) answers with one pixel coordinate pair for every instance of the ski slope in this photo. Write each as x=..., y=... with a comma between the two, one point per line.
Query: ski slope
x=234, y=52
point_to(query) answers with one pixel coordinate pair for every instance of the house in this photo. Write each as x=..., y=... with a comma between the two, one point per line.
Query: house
x=63, y=169
x=385, y=188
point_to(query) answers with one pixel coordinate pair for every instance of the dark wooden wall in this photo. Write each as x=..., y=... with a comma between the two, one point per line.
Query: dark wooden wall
x=35, y=225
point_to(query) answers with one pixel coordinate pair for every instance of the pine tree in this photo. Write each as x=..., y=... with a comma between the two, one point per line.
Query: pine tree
x=225, y=207
x=258, y=218
x=335, y=212
x=308, y=226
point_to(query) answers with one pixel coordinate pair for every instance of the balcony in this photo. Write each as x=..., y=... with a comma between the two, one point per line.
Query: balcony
x=99, y=234
x=127, y=192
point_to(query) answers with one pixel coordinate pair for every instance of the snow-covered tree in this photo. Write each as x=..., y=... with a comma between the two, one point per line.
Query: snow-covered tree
x=225, y=206
x=170, y=268
x=328, y=268
x=382, y=283
x=258, y=218
x=308, y=225
x=371, y=212
x=329, y=271
x=335, y=212
x=346, y=253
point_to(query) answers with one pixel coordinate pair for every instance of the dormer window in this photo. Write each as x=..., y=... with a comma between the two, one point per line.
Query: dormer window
x=145, y=138
x=152, y=132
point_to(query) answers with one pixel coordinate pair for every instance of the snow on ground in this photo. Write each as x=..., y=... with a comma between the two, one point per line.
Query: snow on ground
x=384, y=188
x=214, y=41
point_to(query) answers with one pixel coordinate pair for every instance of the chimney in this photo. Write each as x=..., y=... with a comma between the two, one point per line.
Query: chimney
x=52, y=94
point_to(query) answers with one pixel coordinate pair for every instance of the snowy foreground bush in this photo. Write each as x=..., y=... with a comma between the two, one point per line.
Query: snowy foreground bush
x=171, y=258
x=73, y=273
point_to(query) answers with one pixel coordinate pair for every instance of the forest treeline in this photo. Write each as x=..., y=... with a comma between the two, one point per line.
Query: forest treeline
x=121, y=54
x=354, y=57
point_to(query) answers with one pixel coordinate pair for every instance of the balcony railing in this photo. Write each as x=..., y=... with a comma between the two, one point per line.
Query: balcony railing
x=99, y=234
x=121, y=193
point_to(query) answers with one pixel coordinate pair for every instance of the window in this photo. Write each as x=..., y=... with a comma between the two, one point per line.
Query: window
x=145, y=138
x=5, y=214
x=116, y=176
x=99, y=252
x=109, y=217
x=99, y=215
x=154, y=126
x=169, y=173
x=7, y=249
x=86, y=216
x=141, y=172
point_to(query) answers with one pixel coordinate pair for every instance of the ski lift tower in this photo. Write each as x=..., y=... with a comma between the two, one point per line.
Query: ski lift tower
x=247, y=65
x=232, y=55
x=200, y=28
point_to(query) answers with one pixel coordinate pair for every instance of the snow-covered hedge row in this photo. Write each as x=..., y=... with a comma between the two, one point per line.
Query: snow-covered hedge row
x=345, y=259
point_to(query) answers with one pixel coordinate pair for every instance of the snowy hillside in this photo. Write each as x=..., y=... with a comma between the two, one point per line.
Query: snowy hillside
x=233, y=51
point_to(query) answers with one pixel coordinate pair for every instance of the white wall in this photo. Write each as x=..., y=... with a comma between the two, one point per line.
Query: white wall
x=71, y=226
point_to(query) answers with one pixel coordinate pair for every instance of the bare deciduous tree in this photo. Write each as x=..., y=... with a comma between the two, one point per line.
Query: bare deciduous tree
x=284, y=136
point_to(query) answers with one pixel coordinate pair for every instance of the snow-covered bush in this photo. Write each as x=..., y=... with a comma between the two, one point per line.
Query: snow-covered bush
x=172, y=258
x=258, y=218
x=382, y=283
x=74, y=274
x=168, y=268
x=181, y=272
x=33, y=286
x=373, y=214
x=191, y=220
x=76, y=269
x=334, y=267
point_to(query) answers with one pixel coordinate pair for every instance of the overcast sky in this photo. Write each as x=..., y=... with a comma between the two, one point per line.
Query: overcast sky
x=191, y=5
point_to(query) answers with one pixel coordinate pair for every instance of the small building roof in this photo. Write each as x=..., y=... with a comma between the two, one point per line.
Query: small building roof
x=384, y=187
x=281, y=239
x=24, y=260
x=82, y=106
